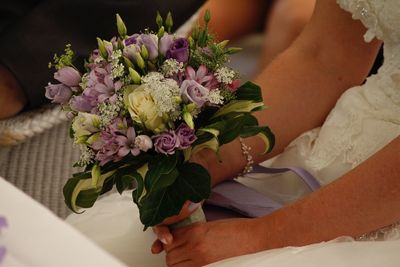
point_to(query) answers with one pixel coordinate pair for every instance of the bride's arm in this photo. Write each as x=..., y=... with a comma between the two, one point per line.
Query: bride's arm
x=303, y=84
x=365, y=199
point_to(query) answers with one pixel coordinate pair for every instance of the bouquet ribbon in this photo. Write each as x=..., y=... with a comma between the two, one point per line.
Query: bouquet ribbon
x=232, y=199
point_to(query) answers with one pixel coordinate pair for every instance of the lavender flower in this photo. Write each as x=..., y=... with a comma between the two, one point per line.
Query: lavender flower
x=165, y=43
x=202, y=76
x=127, y=143
x=166, y=142
x=131, y=39
x=194, y=92
x=179, y=50
x=107, y=89
x=108, y=149
x=150, y=41
x=185, y=135
x=58, y=93
x=87, y=102
x=68, y=76
x=3, y=224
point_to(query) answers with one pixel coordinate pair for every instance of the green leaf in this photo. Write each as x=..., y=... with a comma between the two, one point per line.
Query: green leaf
x=239, y=106
x=263, y=132
x=157, y=176
x=123, y=182
x=193, y=183
x=249, y=91
x=87, y=198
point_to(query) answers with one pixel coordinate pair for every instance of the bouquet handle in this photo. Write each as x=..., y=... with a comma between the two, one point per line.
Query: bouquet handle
x=196, y=217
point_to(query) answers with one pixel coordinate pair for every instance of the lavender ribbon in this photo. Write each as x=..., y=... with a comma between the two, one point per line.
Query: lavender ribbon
x=231, y=199
x=3, y=250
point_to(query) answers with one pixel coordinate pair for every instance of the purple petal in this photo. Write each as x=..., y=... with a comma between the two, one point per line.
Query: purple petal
x=123, y=151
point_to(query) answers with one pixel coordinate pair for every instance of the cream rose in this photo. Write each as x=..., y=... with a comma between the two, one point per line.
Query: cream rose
x=85, y=125
x=143, y=109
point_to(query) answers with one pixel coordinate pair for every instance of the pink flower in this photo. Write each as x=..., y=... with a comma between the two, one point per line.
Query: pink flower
x=68, y=76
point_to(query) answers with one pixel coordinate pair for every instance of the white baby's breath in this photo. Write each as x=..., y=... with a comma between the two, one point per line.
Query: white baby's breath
x=87, y=156
x=171, y=66
x=225, y=75
x=108, y=111
x=117, y=67
x=215, y=97
x=165, y=93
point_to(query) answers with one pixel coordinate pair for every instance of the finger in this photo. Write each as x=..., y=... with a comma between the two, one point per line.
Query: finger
x=177, y=256
x=185, y=263
x=163, y=234
x=157, y=247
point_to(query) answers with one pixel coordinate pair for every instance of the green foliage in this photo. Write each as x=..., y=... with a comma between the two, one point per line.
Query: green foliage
x=193, y=183
x=64, y=59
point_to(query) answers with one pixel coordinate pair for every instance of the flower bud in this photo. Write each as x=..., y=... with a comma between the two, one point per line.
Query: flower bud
x=233, y=50
x=169, y=22
x=223, y=43
x=161, y=32
x=121, y=27
x=128, y=62
x=159, y=20
x=102, y=48
x=134, y=76
x=139, y=61
x=144, y=52
x=188, y=118
x=207, y=16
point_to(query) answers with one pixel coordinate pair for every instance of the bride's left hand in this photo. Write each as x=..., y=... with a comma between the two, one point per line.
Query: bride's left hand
x=204, y=243
x=162, y=230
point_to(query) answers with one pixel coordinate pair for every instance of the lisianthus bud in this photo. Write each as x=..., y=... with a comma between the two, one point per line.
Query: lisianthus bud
x=169, y=22
x=139, y=61
x=102, y=48
x=128, y=62
x=144, y=53
x=134, y=76
x=159, y=20
x=121, y=27
x=188, y=118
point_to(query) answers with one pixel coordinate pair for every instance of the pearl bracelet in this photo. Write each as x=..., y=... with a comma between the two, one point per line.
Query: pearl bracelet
x=249, y=159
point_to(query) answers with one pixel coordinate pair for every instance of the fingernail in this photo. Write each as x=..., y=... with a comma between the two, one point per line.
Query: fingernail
x=193, y=206
x=163, y=240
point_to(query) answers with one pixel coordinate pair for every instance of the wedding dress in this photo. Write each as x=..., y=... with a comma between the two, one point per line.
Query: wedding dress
x=348, y=137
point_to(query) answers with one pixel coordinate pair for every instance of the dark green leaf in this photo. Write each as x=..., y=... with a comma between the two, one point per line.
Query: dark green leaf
x=193, y=183
x=249, y=91
x=159, y=165
x=123, y=182
x=87, y=198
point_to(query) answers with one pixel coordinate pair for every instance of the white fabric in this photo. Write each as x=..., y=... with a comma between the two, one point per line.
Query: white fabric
x=35, y=237
x=365, y=119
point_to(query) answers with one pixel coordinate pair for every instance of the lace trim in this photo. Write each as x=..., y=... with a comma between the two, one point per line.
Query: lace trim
x=391, y=232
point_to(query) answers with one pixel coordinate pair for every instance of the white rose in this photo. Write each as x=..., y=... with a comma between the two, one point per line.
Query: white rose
x=143, y=142
x=143, y=109
x=84, y=125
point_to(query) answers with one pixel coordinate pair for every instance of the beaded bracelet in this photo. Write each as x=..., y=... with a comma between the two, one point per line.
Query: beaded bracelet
x=249, y=159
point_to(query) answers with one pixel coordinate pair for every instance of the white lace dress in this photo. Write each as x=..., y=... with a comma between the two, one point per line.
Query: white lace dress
x=343, y=142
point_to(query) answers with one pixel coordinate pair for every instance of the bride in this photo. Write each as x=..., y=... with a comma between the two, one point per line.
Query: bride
x=348, y=138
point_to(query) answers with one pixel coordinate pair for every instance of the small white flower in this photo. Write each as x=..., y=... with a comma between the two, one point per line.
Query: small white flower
x=225, y=75
x=215, y=97
x=171, y=66
x=87, y=155
x=117, y=68
x=143, y=142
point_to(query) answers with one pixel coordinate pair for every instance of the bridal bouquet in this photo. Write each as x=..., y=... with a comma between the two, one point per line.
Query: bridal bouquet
x=142, y=105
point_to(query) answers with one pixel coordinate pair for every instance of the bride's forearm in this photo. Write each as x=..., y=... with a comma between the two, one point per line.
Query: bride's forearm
x=365, y=199
x=302, y=85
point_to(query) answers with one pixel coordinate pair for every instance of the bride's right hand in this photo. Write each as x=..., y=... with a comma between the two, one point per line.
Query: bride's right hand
x=162, y=230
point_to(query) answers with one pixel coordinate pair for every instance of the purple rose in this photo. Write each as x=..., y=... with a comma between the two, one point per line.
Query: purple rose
x=166, y=142
x=194, y=92
x=68, y=76
x=58, y=93
x=185, y=135
x=179, y=50
x=165, y=43
x=81, y=103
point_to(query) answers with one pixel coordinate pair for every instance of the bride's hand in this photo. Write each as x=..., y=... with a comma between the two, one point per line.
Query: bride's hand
x=162, y=231
x=204, y=243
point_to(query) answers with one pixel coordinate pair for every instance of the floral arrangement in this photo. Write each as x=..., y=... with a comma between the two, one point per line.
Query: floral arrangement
x=144, y=104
